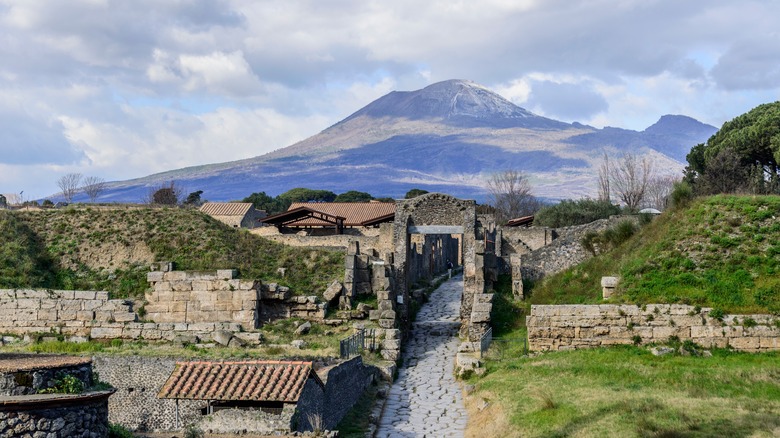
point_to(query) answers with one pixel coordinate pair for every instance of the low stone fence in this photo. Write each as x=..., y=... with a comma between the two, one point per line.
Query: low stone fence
x=567, y=327
x=66, y=312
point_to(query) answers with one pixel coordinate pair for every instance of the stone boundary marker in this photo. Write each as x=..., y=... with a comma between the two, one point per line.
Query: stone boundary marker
x=568, y=327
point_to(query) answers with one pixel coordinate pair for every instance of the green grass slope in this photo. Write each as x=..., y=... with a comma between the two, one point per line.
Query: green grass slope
x=110, y=249
x=721, y=252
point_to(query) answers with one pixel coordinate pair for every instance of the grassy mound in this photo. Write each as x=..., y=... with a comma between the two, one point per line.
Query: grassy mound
x=721, y=252
x=626, y=391
x=110, y=249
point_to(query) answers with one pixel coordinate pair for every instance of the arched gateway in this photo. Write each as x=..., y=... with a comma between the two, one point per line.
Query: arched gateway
x=452, y=227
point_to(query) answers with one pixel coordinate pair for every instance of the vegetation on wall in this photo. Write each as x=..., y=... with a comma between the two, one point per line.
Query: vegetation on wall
x=721, y=252
x=567, y=213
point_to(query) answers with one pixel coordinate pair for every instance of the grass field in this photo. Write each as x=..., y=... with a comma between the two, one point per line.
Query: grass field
x=627, y=392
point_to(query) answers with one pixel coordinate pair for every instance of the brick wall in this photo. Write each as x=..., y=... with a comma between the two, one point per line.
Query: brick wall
x=567, y=327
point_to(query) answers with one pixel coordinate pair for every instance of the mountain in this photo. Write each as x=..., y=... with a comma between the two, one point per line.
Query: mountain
x=447, y=137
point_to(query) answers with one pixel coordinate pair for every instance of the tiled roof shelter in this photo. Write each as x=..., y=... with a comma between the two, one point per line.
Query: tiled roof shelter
x=333, y=214
x=235, y=214
x=276, y=381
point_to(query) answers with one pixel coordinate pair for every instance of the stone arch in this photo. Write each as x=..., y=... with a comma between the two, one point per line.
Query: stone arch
x=441, y=214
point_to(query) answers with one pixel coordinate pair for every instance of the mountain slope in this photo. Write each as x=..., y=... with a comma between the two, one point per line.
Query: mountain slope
x=446, y=137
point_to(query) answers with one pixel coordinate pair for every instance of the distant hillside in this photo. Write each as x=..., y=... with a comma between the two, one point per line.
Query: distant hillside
x=111, y=249
x=447, y=137
x=721, y=252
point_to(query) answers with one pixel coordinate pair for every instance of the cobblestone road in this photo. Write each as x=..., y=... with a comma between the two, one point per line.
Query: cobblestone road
x=426, y=400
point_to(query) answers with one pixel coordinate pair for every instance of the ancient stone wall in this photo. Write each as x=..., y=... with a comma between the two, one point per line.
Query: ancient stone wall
x=138, y=380
x=344, y=384
x=194, y=297
x=66, y=312
x=566, y=327
x=564, y=251
x=523, y=240
x=66, y=416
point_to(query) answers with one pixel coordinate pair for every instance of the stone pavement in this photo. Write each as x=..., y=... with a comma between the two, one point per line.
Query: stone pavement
x=425, y=400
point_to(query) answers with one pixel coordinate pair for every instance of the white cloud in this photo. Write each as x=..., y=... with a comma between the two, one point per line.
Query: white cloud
x=107, y=86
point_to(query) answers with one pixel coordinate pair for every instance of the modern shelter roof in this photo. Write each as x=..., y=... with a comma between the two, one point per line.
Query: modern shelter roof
x=354, y=213
x=280, y=381
x=520, y=221
x=226, y=208
x=327, y=214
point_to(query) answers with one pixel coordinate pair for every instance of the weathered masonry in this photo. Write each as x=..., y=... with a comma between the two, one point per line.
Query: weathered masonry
x=568, y=327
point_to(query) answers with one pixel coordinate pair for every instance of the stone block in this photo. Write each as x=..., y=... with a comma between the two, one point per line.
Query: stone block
x=201, y=327
x=744, y=343
x=373, y=315
x=151, y=334
x=91, y=304
x=392, y=334
x=181, y=296
x=181, y=286
x=29, y=303
x=84, y=295
x=482, y=307
x=391, y=355
x=477, y=317
x=8, y=305
x=163, y=286
x=387, y=314
x=175, y=276
x=333, y=291
x=153, y=277
x=357, y=275
x=30, y=293
x=105, y=333
x=769, y=343
x=201, y=285
x=85, y=315
x=66, y=315
x=391, y=344
x=384, y=295
x=226, y=274
x=125, y=316
x=385, y=305
x=380, y=284
x=387, y=323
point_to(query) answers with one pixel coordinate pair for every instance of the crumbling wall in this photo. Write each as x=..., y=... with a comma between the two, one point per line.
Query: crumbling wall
x=564, y=251
x=567, y=327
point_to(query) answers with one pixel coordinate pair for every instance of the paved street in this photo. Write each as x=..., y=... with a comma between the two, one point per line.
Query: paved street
x=426, y=400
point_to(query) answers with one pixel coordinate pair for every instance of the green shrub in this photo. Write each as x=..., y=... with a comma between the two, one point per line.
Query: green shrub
x=568, y=213
x=65, y=384
x=118, y=431
x=681, y=195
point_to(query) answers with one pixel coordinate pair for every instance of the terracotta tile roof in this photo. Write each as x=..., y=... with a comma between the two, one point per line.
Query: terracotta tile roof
x=354, y=213
x=247, y=380
x=226, y=208
x=11, y=362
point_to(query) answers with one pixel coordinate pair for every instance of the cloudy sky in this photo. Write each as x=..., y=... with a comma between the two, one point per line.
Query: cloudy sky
x=123, y=89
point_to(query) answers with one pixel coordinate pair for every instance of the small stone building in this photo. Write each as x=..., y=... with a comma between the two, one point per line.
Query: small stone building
x=257, y=396
x=235, y=214
x=25, y=412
